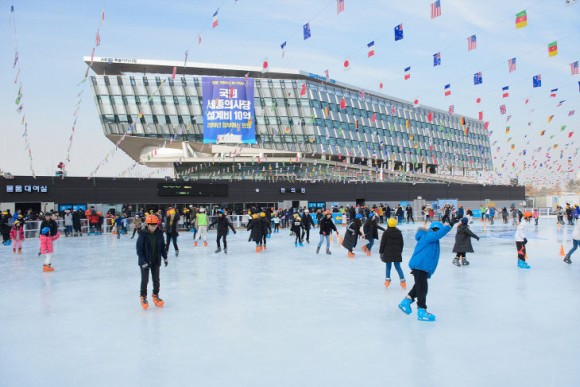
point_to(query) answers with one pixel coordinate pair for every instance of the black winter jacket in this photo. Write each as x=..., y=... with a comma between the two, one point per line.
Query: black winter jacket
x=222, y=225
x=144, y=248
x=391, y=245
x=326, y=226
x=463, y=239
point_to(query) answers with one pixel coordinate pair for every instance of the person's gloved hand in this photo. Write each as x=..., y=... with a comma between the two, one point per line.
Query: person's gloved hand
x=478, y=239
x=144, y=266
x=166, y=262
x=452, y=222
x=235, y=233
x=525, y=241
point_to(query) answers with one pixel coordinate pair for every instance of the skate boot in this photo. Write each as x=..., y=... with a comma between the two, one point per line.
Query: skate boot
x=387, y=282
x=295, y=244
x=368, y=253
x=456, y=262
x=308, y=241
x=328, y=252
x=523, y=265
x=195, y=244
x=14, y=251
x=225, y=250
x=258, y=249
x=365, y=249
x=350, y=254
x=158, y=301
x=423, y=315
x=20, y=250
x=177, y=253
x=218, y=250
x=300, y=244
x=205, y=244
x=404, y=284
x=567, y=259
x=317, y=250
x=47, y=268
x=144, y=303
x=465, y=262
x=264, y=247
x=405, y=305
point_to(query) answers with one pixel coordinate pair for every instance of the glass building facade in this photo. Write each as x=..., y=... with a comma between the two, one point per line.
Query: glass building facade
x=307, y=127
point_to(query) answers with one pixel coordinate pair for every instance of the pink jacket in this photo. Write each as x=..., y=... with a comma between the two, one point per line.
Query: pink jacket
x=17, y=233
x=46, y=243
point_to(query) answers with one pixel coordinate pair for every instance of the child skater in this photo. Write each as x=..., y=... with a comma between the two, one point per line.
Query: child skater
x=223, y=224
x=575, y=240
x=326, y=225
x=463, y=243
x=423, y=264
x=296, y=228
x=521, y=245
x=370, y=229
x=276, y=221
x=391, y=251
x=150, y=250
x=17, y=237
x=255, y=228
x=46, y=247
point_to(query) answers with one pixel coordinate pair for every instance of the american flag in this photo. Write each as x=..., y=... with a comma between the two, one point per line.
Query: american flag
x=451, y=110
x=512, y=65
x=502, y=109
x=574, y=68
x=435, y=9
x=339, y=6
x=471, y=43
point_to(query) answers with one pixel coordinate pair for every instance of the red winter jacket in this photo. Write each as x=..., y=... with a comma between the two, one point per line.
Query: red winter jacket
x=17, y=234
x=46, y=243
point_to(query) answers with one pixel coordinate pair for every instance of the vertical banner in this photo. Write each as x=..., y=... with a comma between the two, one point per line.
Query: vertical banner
x=228, y=110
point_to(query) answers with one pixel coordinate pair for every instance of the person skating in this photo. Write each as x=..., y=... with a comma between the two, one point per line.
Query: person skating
x=536, y=215
x=5, y=228
x=296, y=229
x=409, y=211
x=326, y=226
x=17, y=237
x=521, y=242
x=255, y=228
x=276, y=221
x=266, y=228
x=463, y=243
x=150, y=251
x=171, y=232
x=423, y=264
x=200, y=224
x=68, y=223
x=575, y=240
x=307, y=224
x=391, y=252
x=352, y=234
x=370, y=230
x=76, y=218
x=223, y=225
x=137, y=224
x=51, y=224
x=46, y=247
x=118, y=222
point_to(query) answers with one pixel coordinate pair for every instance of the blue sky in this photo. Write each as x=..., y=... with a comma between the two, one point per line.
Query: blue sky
x=54, y=36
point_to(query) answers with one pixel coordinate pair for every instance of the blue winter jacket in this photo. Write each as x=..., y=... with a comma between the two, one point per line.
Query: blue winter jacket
x=426, y=254
x=144, y=248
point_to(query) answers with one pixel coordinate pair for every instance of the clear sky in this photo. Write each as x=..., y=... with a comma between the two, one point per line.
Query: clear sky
x=53, y=37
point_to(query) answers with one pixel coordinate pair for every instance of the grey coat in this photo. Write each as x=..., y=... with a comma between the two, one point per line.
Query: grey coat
x=463, y=239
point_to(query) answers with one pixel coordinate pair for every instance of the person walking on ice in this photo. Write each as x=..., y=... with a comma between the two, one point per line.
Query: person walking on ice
x=391, y=251
x=150, y=250
x=463, y=243
x=423, y=264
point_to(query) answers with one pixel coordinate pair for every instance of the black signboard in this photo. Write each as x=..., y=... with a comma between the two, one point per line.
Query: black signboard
x=192, y=189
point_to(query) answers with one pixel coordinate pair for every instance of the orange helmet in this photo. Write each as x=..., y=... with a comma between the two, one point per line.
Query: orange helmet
x=151, y=219
x=327, y=212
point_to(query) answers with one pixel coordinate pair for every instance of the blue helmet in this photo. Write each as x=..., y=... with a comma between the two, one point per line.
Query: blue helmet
x=437, y=225
x=464, y=220
x=358, y=216
x=45, y=230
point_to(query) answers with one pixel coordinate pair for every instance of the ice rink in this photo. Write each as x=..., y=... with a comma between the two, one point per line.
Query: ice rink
x=290, y=317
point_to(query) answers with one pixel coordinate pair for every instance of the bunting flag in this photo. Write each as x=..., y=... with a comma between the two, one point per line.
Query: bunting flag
x=327, y=75
x=537, y=81
x=407, y=73
x=550, y=118
x=507, y=129
x=430, y=116
x=451, y=110
x=339, y=6
x=462, y=121
x=265, y=65
x=283, y=46
x=306, y=31
x=521, y=19
x=478, y=100
x=371, y=47
x=511, y=65
x=553, y=93
x=346, y=64
x=215, y=22
x=98, y=39
x=437, y=59
x=477, y=78
x=303, y=90
x=553, y=49
x=574, y=68
x=102, y=16
x=447, y=90
x=505, y=91
x=480, y=116
x=471, y=43
x=502, y=109
x=435, y=9
x=174, y=72
x=199, y=39
x=399, y=32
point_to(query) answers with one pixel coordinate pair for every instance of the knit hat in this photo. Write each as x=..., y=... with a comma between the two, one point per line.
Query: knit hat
x=392, y=222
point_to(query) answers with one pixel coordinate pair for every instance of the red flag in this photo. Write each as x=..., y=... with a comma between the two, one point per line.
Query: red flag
x=303, y=90
x=346, y=64
x=480, y=116
x=430, y=117
x=98, y=39
x=381, y=85
x=343, y=103
x=265, y=65
x=374, y=117
x=174, y=72
x=486, y=125
x=570, y=134
x=478, y=100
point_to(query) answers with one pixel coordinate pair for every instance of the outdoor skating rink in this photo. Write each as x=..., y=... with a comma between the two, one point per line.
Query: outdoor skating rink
x=289, y=317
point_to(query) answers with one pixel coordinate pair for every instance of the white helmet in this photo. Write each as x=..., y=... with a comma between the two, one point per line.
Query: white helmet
x=306, y=211
x=202, y=209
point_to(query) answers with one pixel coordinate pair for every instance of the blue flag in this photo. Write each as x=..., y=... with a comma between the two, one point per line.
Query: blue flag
x=283, y=45
x=306, y=29
x=537, y=81
x=398, y=32
x=437, y=59
x=477, y=78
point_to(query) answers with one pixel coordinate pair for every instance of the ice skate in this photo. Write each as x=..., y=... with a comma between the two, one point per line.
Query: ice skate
x=567, y=259
x=225, y=250
x=14, y=251
x=350, y=254
x=328, y=252
x=144, y=303
x=218, y=250
x=295, y=244
x=158, y=301
x=177, y=253
x=387, y=282
x=317, y=250
x=47, y=268
x=258, y=249
x=365, y=249
x=404, y=284
x=423, y=315
x=456, y=262
x=405, y=305
x=20, y=251
x=195, y=244
x=465, y=262
x=300, y=244
x=523, y=265
x=368, y=252
x=205, y=244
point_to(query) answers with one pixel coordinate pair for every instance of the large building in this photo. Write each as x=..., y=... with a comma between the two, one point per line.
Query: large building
x=234, y=122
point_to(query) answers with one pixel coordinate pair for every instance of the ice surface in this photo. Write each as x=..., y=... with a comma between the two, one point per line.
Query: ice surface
x=289, y=317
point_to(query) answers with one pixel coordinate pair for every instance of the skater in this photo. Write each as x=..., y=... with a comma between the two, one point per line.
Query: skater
x=266, y=228
x=46, y=247
x=463, y=243
x=326, y=225
x=370, y=230
x=504, y=215
x=5, y=228
x=296, y=229
x=307, y=224
x=200, y=226
x=17, y=237
x=150, y=250
x=137, y=224
x=171, y=232
x=68, y=223
x=255, y=225
x=118, y=222
x=76, y=219
x=536, y=216
x=276, y=221
x=575, y=240
x=423, y=264
x=391, y=251
x=409, y=211
x=521, y=242
x=352, y=234
x=223, y=223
